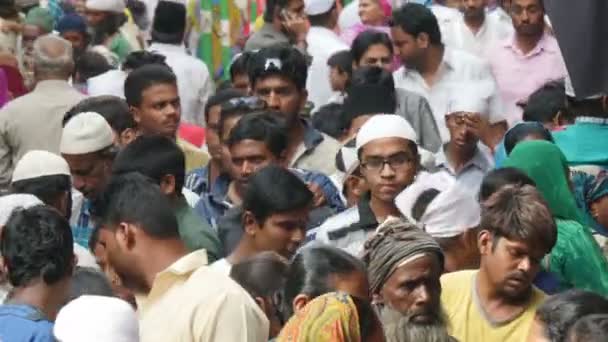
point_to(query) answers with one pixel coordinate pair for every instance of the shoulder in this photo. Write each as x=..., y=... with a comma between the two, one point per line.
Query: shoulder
x=329, y=144
x=464, y=61
x=455, y=282
x=341, y=220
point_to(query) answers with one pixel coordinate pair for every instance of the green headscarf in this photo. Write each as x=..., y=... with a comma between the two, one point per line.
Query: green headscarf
x=545, y=163
x=40, y=17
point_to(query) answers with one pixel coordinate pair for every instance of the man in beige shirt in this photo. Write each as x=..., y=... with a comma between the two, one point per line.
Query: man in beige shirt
x=33, y=121
x=180, y=299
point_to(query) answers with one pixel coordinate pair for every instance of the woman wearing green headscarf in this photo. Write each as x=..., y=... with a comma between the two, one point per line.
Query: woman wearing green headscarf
x=576, y=258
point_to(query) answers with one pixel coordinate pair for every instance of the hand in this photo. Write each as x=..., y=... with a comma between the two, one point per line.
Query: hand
x=318, y=195
x=9, y=25
x=473, y=123
x=296, y=25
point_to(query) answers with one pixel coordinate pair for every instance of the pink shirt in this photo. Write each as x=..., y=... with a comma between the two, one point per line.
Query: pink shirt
x=519, y=75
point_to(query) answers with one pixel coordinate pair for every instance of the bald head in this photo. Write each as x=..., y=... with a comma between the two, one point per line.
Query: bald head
x=52, y=58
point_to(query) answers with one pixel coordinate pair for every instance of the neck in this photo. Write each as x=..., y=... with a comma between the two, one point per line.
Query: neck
x=382, y=209
x=166, y=253
x=430, y=64
x=41, y=296
x=235, y=193
x=243, y=251
x=527, y=43
x=474, y=23
x=458, y=156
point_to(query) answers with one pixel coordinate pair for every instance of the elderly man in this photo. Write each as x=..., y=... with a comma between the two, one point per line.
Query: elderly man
x=33, y=121
x=399, y=256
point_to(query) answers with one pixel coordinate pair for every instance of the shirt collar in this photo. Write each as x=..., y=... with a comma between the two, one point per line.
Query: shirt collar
x=167, y=47
x=479, y=161
x=52, y=84
x=544, y=44
x=312, y=137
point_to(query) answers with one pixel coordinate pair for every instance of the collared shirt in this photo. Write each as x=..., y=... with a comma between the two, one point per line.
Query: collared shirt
x=584, y=142
x=111, y=82
x=456, y=68
x=417, y=111
x=198, y=181
x=193, y=81
x=518, y=75
x=33, y=122
x=19, y=322
x=316, y=152
x=195, y=157
x=190, y=302
x=195, y=233
x=459, y=36
x=266, y=36
x=472, y=172
x=84, y=225
x=322, y=44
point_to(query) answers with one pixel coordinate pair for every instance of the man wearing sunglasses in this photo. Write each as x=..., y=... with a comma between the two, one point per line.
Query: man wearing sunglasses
x=388, y=154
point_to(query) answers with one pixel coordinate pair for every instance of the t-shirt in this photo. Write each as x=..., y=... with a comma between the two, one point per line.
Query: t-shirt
x=467, y=322
x=24, y=323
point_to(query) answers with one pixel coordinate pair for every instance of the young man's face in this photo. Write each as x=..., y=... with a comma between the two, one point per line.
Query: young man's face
x=248, y=156
x=409, y=49
x=241, y=82
x=90, y=172
x=77, y=39
x=528, y=17
x=159, y=111
x=474, y=9
x=94, y=17
x=281, y=95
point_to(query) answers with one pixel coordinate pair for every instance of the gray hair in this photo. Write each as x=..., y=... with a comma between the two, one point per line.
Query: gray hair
x=53, y=57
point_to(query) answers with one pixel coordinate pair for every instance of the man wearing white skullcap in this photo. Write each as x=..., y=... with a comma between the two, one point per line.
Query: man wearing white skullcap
x=106, y=17
x=96, y=319
x=87, y=144
x=389, y=158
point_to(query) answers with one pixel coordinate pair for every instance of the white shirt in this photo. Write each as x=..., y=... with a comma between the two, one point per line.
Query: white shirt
x=322, y=43
x=458, y=35
x=222, y=266
x=111, y=82
x=445, y=16
x=456, y=68
x=193, y=81
x=349, y=16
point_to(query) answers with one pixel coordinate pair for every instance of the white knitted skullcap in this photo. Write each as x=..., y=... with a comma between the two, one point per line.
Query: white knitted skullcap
x=36, y=163
x=85, y=133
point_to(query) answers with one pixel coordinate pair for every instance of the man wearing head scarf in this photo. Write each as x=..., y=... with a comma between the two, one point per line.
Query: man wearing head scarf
x=73, y=28
x=402, y=255
x=38, y=22
x=105, y=18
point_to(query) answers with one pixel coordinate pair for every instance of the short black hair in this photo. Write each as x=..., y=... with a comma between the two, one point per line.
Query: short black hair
x=521, y=131
x=87, y=281
x=46, y=188
x=274, y=189
x=591, y=328
x=282, y=60
x=134, y=198
x=328, y=119
x=496, y=179
x=37, y=243
x=415, y=19
x=145, y=77
x=91, y=64
x=239, y=64
x=365, y=40
x=137, y=59
x=154, y=156
x=114, y=109
x=221, y=97
x=266, y=127
x=343, y=61
x=323, y=18
x=272, y=6
x=422, y=202
x=262, y=275
x=371, y=91
x=544, y=104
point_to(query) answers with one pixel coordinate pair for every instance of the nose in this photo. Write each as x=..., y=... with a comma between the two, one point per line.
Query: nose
x=78, y=183
x=423, y=296
x=387, y=171
x=298, y=235
x=272, y=100
x=524, y=16
x=525, y=265
x=247, y=168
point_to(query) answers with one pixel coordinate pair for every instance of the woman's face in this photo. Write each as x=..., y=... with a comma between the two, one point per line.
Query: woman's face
x=371, y=12
x=599, y=211
x=377, y=55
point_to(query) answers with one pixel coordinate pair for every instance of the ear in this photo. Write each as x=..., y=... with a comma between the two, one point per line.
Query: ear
x=594, y=210
x=127, y=136
x=300, y=302
x=282, y=159
x=423, y=41
x=304, y=93
x=125, y=235
x=250, y=224
x=136, y=114
x=262, y=304
x=167, y=185
x=484, y=242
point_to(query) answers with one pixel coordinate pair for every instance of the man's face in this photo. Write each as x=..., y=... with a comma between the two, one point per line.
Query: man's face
x=227, y=126
x=528, y=17
x=159, y=111
x=295, y=8
x=388, y=165
x=377, y=55
x=474, y=9
x=282, y=233
x=90, y=172
x=241, y=82
x=30, y=34
x=409, y=49
x=77, y=39
x=464, y=128
x=248, y=156
x=281, y=95
x=94, y=17
x=212, y=133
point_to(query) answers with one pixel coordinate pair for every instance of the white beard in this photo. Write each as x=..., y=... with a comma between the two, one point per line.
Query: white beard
x=400, y=328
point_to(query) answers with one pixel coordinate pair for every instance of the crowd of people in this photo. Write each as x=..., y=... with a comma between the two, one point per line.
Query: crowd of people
x=375, y=171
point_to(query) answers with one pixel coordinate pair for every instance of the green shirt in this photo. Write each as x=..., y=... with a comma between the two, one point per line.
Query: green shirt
x=120, y=46
x=196, y=233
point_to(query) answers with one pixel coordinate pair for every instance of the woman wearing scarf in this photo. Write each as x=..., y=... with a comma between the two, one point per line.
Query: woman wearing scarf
x=591, y=194
x=374, y=15
x=576, y=258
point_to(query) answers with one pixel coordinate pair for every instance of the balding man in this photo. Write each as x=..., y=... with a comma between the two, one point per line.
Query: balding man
x=33, y=121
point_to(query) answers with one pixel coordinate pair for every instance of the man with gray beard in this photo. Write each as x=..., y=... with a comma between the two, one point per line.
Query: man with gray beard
x=404, y=265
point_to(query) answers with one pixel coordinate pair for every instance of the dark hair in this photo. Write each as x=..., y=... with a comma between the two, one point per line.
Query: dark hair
x=239, y=64
x=87, y=281
x=591, y=328
x=109, y=26
x=415, y=19
x=544, y=104
x=262, y=275
x=274, y=189
x=422, y=202
x=91, y=64
x=292, y=65
x=323, y=18
x=266, y=127
x=272, y=6
x=46, y=188
x=368, y=321
x=220, y=97
x=37, y=243
x=343, y=61
x=371, y=91
x=373, y=75
x=312, y=271
x=519, y=213
x=137, y=59
x=135, y=199
x=524, y=130
x=153, y=156
x=145, y=77
x=114, y=109
x=496, y=179
x=367, y=39
x=328, y=119
x=560, y=312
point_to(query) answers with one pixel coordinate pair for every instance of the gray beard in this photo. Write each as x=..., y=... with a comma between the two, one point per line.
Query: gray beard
x=400, y=328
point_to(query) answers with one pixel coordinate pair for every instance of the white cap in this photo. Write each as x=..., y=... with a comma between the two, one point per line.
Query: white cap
x=115, y=6
x=96, y=318
x=316, y=7
x=385, y=126
x=86, y=133
x=471, y=98
x=11, y=202
x=36, y=163
x=569, y=87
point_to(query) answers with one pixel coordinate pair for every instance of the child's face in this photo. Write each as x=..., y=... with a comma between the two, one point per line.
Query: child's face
x=337, y=79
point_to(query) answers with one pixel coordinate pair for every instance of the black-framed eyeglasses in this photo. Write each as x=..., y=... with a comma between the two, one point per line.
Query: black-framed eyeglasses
x=247, y=103
x=396, y=162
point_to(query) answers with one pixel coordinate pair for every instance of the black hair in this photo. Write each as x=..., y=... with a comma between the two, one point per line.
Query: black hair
x=291, y=65
x=37, y=243
x=524, y=130
x=544, y=104
x=367, y=39
x=561, y=311
x=133, y=198
x=153, y=156
x=109, y=26
x=312, y=271
x=343, y=61
x=271, y=7
x=496, y=179
x=262, y=275
x=47, y=188
x=371, y=91
x=145, y=77
x=415, y=19
x=591, y=328
x=114, y=109
x=323, y=18
x=137, y=59
x=220, y=97
x=328, y=119
x=274, y=189
x=239, y=65
x=266, y=127
x=422, y=202
x=87, y=281
x=91, y=64
x=368, y=321
x=373, y=75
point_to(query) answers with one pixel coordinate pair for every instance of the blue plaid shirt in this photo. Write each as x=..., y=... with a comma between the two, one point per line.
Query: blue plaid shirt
x=84, y=227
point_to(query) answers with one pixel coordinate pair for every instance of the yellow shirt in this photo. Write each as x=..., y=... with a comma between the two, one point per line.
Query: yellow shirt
x=195, y=157
x=466, y=321
x=189, y=302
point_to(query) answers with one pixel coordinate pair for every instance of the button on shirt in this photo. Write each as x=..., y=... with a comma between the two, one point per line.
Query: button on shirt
x=518, y=75
x=322, y=43
x=459, y=36
x=190, y=302
x=456, y=68
x=473, y=171
x=193, y=80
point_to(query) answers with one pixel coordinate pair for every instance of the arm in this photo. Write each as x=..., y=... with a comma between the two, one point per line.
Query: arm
x=6, y=159
x=430, y=138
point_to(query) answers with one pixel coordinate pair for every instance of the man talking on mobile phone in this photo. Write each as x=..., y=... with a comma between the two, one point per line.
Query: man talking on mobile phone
x=284, y=23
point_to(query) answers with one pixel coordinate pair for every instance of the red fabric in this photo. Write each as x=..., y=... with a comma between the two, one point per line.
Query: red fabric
x=16, y=87
x=192, y=133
